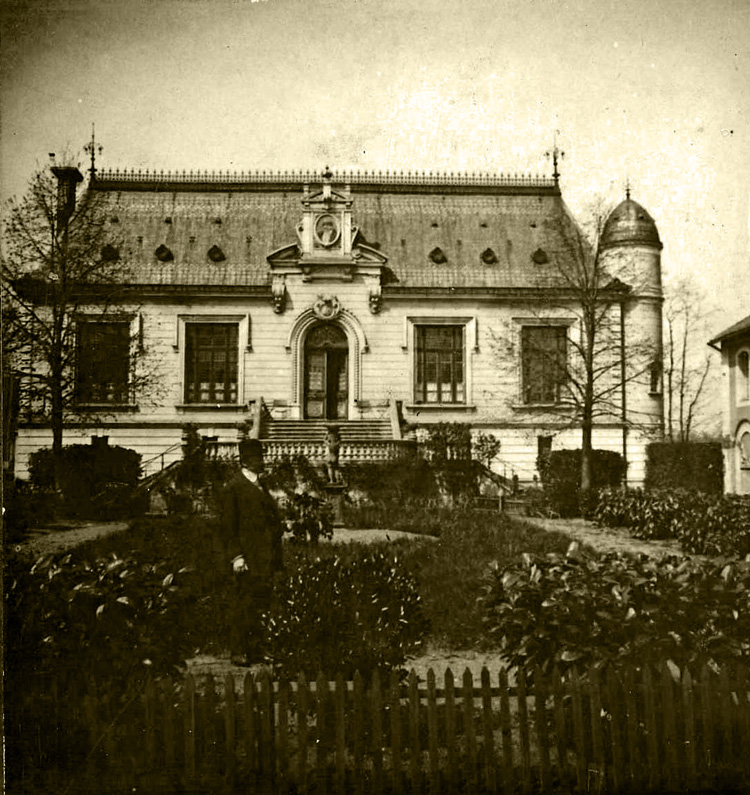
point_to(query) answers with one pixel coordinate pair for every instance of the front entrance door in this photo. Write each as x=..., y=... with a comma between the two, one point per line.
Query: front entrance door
x=326, y=373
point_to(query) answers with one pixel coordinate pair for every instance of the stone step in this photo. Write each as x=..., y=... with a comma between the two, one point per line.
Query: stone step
x=315, y=430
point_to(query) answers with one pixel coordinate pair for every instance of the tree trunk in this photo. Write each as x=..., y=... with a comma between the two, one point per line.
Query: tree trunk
x=586, y=450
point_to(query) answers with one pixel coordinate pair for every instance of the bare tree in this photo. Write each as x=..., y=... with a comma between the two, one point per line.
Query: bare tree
x=593, y=361
x=60, y=262
x=686, y=364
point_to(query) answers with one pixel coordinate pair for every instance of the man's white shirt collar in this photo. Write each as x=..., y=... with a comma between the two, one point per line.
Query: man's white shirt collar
x=250, y=475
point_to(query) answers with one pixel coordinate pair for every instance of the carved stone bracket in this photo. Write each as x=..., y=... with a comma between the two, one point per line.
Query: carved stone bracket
x=278, y=290
x=376, y=298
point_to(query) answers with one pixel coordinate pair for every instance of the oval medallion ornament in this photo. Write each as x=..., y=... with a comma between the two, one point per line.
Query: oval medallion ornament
x=327, y=232
x=327, y=307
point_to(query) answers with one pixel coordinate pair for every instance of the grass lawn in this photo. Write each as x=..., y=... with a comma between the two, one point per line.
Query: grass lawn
x=450, y=570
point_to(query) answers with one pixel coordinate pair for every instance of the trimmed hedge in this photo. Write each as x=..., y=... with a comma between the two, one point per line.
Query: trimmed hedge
x=703, y=523
x=586, y=609
x=673, y=464
x=561, y=477
x=97, y=481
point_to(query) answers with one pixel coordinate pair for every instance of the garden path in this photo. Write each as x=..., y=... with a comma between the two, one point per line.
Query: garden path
x=607, y=539
x=66, y=535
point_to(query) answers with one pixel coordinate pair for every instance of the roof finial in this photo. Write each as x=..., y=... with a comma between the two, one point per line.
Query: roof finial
x=92, y=148
x=627, y=188
x=556, y=154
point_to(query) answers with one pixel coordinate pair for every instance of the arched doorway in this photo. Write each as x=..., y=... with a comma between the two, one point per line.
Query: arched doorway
x=326, y=373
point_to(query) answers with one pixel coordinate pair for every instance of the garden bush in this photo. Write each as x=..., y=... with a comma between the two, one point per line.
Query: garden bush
x=670, y=465
x=560, y=471
x=364, y=614
x=96, y=481
x=703, y=523
x=583, y=609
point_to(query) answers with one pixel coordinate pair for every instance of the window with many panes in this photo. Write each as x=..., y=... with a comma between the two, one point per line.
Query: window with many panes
x=543, y=362
x=439, y=364
x=211, y=356
x=103, y=362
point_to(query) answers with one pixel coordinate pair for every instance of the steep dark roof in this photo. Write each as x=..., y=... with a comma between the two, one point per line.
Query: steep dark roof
x=492, y=232
x=733, y=331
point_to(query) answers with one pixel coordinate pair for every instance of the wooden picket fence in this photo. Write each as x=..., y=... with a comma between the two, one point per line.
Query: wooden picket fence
x=631, y=730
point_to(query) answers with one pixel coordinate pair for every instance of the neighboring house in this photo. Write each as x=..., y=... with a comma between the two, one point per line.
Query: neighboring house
x=381, y=302
x=734, y=345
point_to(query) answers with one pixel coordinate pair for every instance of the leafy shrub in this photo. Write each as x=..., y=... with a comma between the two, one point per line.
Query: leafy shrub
x=582, y=609
x=362, y=615
x=25, y=508
x=703, y=523
x=448, y=448
x=73, y=617
x=97, y=481
x=560, y=471
x=392, y=481
x=670, y=465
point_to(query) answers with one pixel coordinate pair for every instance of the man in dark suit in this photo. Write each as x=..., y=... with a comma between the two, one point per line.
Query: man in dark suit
x=251, y=532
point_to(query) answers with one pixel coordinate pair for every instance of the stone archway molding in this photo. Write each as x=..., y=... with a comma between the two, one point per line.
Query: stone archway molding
x=355, y=336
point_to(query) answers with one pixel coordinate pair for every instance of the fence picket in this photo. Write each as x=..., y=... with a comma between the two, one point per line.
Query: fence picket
x=744, y=720
x=597, y=715
x=321, y=742
x=415, y=752
x=523, y=725
x=467, y=703
x=670, y=729
x=561, y=733
x=358, y=717
x=189, y=729
x=149, y=703
x=688, y=716
x=432, y=733
x=506, y=733
x=542, y=729
x=376, y=700
x=340, y=732
x=395, y=705
x=207, y=745
x=450, y=730
x=578, y=730
x=708, y=761
x=615, y=730
x=303, y=701
x=724, y=703
x=651, y=729
x=635, y=766
x=230, y=732
x=282, y=738
x=168, y=694
x=488, y=743
x=251, y=725
x=266, y=744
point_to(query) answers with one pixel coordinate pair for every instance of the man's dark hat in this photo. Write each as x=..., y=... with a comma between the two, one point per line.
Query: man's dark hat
x=251, y=451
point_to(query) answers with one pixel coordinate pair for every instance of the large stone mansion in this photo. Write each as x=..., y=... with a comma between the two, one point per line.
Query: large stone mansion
x=383, y=302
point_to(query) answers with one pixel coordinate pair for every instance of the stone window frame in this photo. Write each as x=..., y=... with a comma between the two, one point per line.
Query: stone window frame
x=134, y=322
x=243, y=345
x=470, y=344
x=569, y=323
x=742, y=379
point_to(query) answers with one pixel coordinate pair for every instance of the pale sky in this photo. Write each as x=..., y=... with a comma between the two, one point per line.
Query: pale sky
x=656, y=92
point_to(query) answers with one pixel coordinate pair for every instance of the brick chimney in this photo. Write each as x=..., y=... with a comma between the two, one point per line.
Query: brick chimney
x=68, y=178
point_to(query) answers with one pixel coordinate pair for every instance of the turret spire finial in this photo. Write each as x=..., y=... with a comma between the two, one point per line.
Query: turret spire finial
x=627, y=188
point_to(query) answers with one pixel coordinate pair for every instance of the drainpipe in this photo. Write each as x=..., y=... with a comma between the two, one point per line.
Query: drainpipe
x=623, y=376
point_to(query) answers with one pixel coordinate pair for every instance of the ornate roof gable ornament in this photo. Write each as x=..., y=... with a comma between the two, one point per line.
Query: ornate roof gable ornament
x=329, y=247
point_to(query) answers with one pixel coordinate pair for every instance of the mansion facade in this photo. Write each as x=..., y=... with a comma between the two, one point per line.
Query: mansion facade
x=283, y=302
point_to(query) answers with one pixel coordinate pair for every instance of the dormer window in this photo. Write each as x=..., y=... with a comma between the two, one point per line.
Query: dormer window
x=489, y=257
x=540, y=256
x=437, y=256
x=215, y=254
x=163, y=254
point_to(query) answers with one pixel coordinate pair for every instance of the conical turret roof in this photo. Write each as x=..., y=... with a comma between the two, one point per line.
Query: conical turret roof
x=629, y=224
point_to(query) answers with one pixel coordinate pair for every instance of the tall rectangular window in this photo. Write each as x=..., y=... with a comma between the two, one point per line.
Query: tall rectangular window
x=543, y=362
x=103, y=361
x=440, y=364
x=211, y=356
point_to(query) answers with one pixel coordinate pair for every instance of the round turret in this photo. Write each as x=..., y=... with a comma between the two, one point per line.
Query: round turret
x=630, y=225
